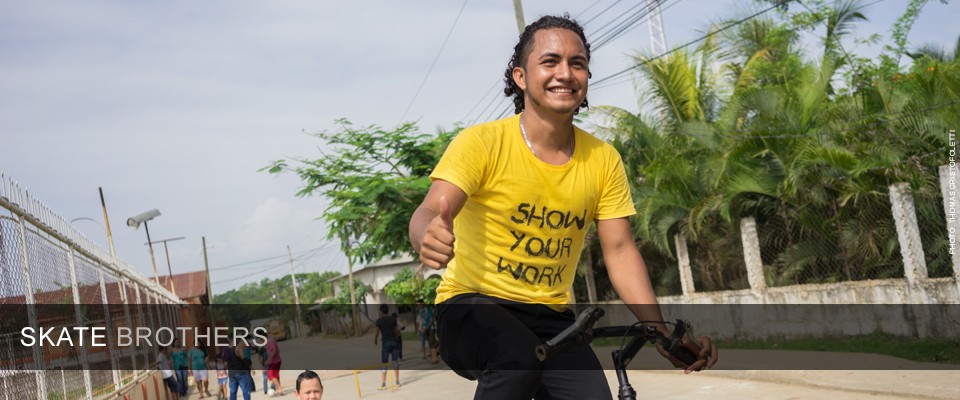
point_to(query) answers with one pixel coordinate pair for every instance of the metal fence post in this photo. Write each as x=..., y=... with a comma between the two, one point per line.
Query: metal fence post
x=683, y=262
x=31, y=309
x=112, y=349
x=122, y=282
x=146, y=304
x=141, y=322
x=87, y=384
x=751, y=254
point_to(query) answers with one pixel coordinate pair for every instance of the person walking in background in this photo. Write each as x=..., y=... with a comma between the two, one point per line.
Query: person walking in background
x=427, y=329
x=166, y=371
x=179, y=356
x=238, y=369
x=309, y=386
x=198, y=363
x=387, y=327
x=273, y=362
x=262, y=355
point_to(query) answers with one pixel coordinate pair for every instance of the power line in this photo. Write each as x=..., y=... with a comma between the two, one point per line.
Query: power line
x=577, y=15
x=597, y=42
x=265, y=269
x=268, y=258
x=257, y=261
x=307, y=258
x=600, y=83
x=497, y=102
x=634, y=24
x=601, y=12
x=238, y=278
x=503, y=113
x=487, y=93
x=434, y=63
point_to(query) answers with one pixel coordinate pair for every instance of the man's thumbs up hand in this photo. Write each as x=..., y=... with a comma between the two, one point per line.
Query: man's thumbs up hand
x=436, y=249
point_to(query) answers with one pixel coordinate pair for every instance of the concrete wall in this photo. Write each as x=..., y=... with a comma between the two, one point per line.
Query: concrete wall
x=833, y=310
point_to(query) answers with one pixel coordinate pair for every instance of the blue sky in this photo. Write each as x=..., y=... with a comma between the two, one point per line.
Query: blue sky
x=175, y=105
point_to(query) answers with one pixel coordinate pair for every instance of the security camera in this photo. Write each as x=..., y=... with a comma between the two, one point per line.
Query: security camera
x=135, y=221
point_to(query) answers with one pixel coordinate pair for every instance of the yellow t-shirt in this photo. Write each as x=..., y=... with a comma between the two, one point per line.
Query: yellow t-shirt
x=521, y=230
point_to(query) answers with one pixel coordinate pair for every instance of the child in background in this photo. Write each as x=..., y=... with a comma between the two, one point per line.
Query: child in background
x=222, y=377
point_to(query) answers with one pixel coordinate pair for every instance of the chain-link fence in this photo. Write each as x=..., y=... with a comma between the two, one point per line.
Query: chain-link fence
x=716, y=257
x=932, y=221
x=53, y=276
x=838, y=240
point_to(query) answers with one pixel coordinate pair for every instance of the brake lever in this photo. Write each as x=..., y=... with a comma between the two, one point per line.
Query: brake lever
x=674, y=343
x=691, y=335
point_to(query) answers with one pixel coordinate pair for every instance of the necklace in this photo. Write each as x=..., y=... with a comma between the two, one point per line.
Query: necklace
x=523, y=131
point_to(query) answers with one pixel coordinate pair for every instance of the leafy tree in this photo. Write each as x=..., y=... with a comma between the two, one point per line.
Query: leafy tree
x=256, y=299
x=406, y=287
x=890, y=61
x=374, y=180
x=341, y=302
x=315, y=286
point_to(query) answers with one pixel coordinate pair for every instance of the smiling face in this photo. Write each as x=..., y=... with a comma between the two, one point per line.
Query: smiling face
x=554, y=76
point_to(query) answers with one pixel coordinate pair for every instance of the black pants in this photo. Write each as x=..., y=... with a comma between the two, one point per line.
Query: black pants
x=492, y=341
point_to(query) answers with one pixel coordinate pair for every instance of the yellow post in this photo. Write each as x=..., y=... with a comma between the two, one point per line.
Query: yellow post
x=357, y=380
x=390, y=378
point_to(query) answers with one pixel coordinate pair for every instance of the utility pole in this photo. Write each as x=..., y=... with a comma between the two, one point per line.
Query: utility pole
x=206, y=266
x=106, y=220
x=173, y=288
x=518, y=10
x=296, y=295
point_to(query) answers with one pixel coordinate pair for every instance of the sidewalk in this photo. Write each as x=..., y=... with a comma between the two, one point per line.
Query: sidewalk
x=733, y=381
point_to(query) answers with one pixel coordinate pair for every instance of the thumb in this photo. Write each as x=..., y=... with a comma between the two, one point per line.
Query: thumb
x=445, y=212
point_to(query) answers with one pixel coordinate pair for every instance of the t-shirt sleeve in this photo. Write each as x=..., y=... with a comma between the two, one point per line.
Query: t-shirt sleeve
x=615, y=199
x=464, y=162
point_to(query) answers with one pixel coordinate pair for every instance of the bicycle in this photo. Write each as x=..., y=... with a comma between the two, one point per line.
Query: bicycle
x=582, y=332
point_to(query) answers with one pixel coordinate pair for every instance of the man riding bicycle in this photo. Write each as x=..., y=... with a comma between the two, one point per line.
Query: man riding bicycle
x=507, y=212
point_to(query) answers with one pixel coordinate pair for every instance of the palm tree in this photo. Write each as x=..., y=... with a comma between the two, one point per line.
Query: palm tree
x=771, y=136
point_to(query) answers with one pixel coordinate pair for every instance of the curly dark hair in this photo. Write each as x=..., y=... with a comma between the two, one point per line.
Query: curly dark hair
x=523, y=49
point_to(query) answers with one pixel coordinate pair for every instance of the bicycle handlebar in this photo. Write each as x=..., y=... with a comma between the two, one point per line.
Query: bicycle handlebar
x=582, y=332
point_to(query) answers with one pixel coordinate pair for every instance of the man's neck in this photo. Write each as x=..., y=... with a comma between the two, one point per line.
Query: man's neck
x=548, y=131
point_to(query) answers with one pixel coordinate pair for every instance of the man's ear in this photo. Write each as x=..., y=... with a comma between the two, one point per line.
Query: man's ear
x=519, y=78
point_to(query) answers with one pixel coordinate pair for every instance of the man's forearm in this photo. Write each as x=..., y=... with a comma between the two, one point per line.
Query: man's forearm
x=629, y=276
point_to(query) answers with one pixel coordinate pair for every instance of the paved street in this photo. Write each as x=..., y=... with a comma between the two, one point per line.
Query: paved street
x=425, y=384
